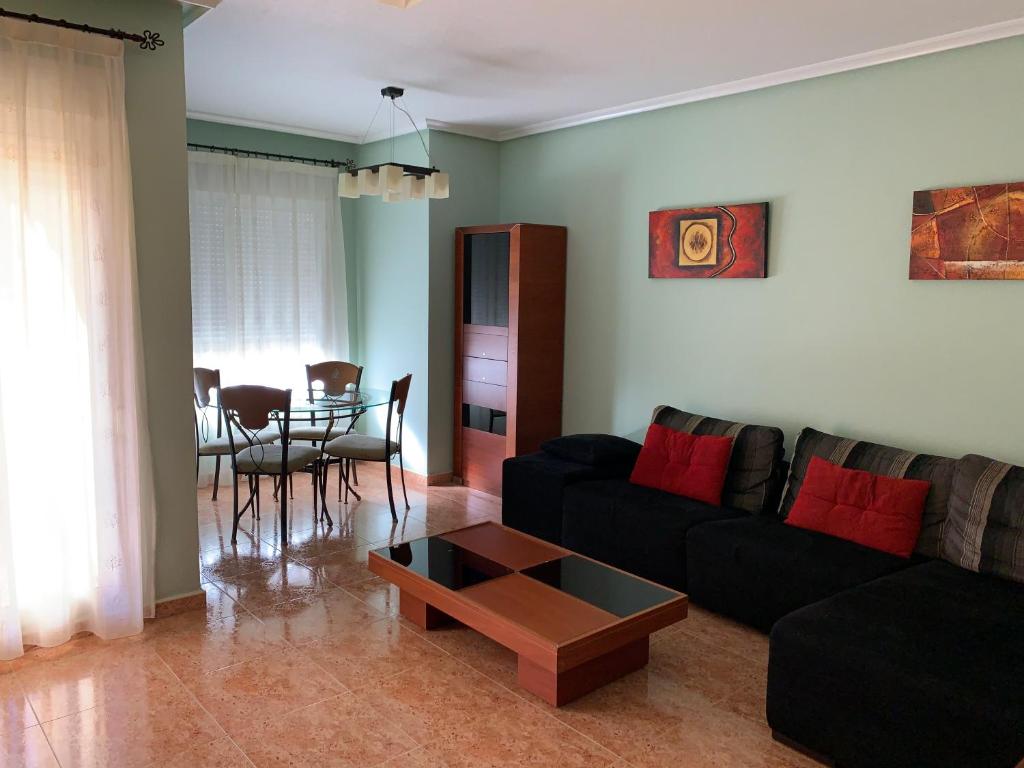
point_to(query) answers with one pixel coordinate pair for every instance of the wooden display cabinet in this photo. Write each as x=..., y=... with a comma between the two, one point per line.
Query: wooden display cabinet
x=509, y=345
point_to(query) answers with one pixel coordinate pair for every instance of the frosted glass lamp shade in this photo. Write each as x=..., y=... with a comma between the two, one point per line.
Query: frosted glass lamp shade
x=348, y=185
x=369, y=182
x=413, y=187
x=436, y=186
x=391, y=178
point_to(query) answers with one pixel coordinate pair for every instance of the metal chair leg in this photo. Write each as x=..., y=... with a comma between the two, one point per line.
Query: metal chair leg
x=391, y=494
x=344, y=467
x=316, y=486
x=291, y=486
x=401, y=466
x=355, y=474
x=341, y=464
x=216, y=477
x=234, y=513
x=284, y=511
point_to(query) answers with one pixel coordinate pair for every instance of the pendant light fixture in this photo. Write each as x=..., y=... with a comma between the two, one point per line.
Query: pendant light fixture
x=393, y=181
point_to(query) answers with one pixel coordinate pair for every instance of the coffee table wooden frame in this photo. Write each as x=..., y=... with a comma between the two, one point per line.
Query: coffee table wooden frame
x=557, y=671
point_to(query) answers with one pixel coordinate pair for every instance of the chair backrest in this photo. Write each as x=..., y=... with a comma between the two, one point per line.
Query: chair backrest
x=248, y=407
x=334, y=375
x=396, y=405
x=204, y=381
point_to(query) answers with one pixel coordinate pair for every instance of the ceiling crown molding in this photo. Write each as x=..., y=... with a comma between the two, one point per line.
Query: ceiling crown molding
x=968, y=37
x=278, y=127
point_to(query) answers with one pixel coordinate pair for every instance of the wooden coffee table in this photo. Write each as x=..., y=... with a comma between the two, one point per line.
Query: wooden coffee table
x=575, y=623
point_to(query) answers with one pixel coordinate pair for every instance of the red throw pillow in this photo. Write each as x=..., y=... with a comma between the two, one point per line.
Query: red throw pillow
x=684, y=464
x=876, y=511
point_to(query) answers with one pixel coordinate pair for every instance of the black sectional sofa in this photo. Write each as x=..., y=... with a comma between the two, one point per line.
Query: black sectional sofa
x=876, y=661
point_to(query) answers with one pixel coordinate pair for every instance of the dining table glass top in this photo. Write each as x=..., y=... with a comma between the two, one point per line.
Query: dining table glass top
x=347, y=401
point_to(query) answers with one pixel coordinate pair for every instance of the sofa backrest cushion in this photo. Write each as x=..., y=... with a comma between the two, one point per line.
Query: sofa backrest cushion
x=684, y=464
x=878, y=460
x=755, y=473
x=985, y=530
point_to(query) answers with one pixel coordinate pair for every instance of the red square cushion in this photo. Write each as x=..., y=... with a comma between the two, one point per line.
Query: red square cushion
x=875, y=511
x=686, y=465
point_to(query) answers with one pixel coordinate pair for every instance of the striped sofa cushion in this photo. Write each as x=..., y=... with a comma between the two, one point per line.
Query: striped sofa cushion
x=755, y=466
x=985, y=530
x=879, y=460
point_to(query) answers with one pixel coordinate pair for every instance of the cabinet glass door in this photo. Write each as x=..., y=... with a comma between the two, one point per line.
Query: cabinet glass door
x=485, y=279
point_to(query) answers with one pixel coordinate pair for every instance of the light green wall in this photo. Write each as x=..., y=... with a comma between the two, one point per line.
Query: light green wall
x=837, y=337
x=473, y=166
x=155, y=100
x=392, y=256
x=240, y=137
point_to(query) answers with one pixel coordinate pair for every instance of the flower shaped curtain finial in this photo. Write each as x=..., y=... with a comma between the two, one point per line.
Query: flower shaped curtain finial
x=150, y=41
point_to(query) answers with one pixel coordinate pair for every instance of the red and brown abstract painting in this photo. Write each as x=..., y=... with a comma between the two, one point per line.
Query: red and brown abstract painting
x=716, y=241
x=968, y=233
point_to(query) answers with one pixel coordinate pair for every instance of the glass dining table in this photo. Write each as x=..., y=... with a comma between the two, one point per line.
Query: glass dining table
x=319, y=409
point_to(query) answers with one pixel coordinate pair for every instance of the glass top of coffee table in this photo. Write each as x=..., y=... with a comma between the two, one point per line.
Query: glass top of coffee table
x=474, y=555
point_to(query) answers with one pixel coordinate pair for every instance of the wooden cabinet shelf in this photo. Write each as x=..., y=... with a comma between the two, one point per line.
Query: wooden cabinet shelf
x=509, y=345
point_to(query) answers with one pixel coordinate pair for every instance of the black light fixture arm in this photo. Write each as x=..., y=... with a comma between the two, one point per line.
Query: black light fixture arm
x=148, y=41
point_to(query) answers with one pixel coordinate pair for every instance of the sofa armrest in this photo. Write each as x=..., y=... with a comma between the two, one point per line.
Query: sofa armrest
x=608, y=455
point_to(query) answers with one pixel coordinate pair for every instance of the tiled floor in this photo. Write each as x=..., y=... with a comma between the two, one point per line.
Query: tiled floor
x=300, y=660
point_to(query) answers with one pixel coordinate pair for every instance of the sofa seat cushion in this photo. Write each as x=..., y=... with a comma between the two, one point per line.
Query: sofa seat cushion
x=757, y=570
x=641, y=530
x=920, y=669
x=531, y=491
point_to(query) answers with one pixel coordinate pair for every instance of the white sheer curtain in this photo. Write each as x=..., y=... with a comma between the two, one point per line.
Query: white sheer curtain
x=76, y=500
x=268, y=268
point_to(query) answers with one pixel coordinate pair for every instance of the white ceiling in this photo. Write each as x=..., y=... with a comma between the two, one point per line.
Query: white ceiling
x=503, y=68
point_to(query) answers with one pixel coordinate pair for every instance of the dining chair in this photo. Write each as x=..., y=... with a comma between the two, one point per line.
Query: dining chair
x=333, y=376
x=247, y=411
x=355, y=447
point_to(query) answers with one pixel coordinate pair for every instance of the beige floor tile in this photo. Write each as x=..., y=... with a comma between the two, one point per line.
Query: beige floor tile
x=191, y=651
x=345, y=566
x=362, y=654
x=15, y=711
x=432, y=703
x=518, y=735
x=221, y=753
x=337, y=733
x=324, y=614
x=376, y=593
x=25, y=748
x=472, y=648
x=116, y=671
x=131, y=732
x=724, y=634
x=230, y=560
x=288, y=581
x=261, y=690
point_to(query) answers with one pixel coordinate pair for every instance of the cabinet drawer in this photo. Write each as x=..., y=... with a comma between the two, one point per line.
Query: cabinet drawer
x=486, y=345
x=484, y=371
x=485, y=395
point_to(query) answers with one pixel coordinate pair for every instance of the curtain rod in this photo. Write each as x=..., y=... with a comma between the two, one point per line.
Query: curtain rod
x=148, y=41
x=346, y=163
